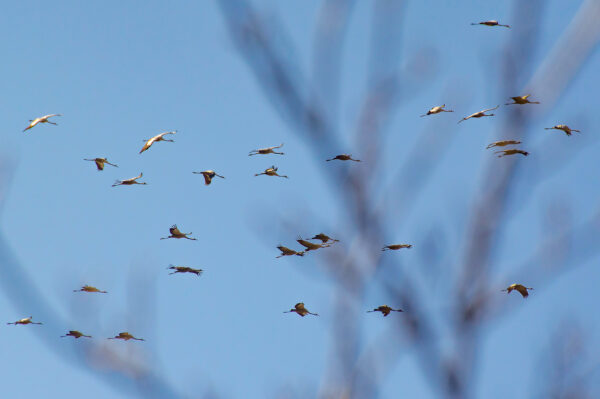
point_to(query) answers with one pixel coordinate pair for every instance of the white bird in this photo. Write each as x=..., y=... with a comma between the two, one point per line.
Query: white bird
x=26, y=320
x=158, y=137
x=129, y=182
x=41, y=119
x=479, y=114
x=436, y=110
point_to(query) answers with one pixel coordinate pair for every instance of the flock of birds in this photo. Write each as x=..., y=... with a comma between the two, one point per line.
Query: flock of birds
x=324, y=241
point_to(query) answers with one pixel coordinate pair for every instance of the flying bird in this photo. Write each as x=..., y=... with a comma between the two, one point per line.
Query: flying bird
x=343, y=157
x=155, y=139
x=564, y=128
x=285, y=251
x=479, y=114
x=268, y=150
x=520, y=288
x=503, y=143
x=510, y=152
x=89, y=288
x=395, y=247
x=208, y=176
x=129, y=182
x=125, y=336
x=324, y=238
x=24, y=321
x=100, y=162
x=75, y=334
x=184, y=269
x=437, y=110
x=272, y=171
x=491, y=22
x=300, y=309
x=41, y=119
x=522, y=100
x=310, y=246
x=385, y=310
x=175, y=233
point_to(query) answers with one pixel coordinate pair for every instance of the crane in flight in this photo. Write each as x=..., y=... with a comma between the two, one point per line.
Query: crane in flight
x=129, y=182
x=522, y=100
x=491, y=22
x=89, y=288
x=343, y=157
x=125, y=336
x=155, y=139
x=324, y=238
x=285, y=251
x=395, y=247
x=24, y=321
x=75, y=334
x=41, y=119
x=175, y=233
x=437, y=110
x=272, y=171
x=310, y=246
x=208, y=176
x=521, y=289
x=184, y=269
x=564, y=128
x=300, y=309
x=479, y=114
x=510, y=152
x=385, y=310
x=100, y=162
x=268, y=150
x=503, y=143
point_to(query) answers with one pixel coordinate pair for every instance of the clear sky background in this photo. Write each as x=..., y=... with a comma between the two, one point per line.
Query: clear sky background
x=121, y=72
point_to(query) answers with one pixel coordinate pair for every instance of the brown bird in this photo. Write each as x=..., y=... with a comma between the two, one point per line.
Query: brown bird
x=395, y=247
x=479, y=114
x=491, y=22
x=310, y=246
x=125, y=336
x=385, y=310
x=155, y=139
x=41, y=119
x=185, y=269
x=520, y=288
x=343, y=157
x=437, y=110
x=89, y=288
x=75, y=334
x=24, y=321
x=129, y=182
x=175, y=233
x=510, y=152
x=272, y=171
x=301, y=310
x=522, y=100
x=503, y=143
x=208, y=176
x=564, y=128
x=285, y=251
x=268, y=150
x=100, y=162
x=324, y=238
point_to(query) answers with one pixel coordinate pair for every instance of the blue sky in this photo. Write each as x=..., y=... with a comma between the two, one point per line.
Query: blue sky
x=120, y=73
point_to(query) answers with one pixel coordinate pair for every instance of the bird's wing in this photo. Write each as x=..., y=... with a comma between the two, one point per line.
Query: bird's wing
x=50, y=116
x=147, y=145
x=137, y=177
x=522, y=290
x=207, y=178
x=489, y=109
